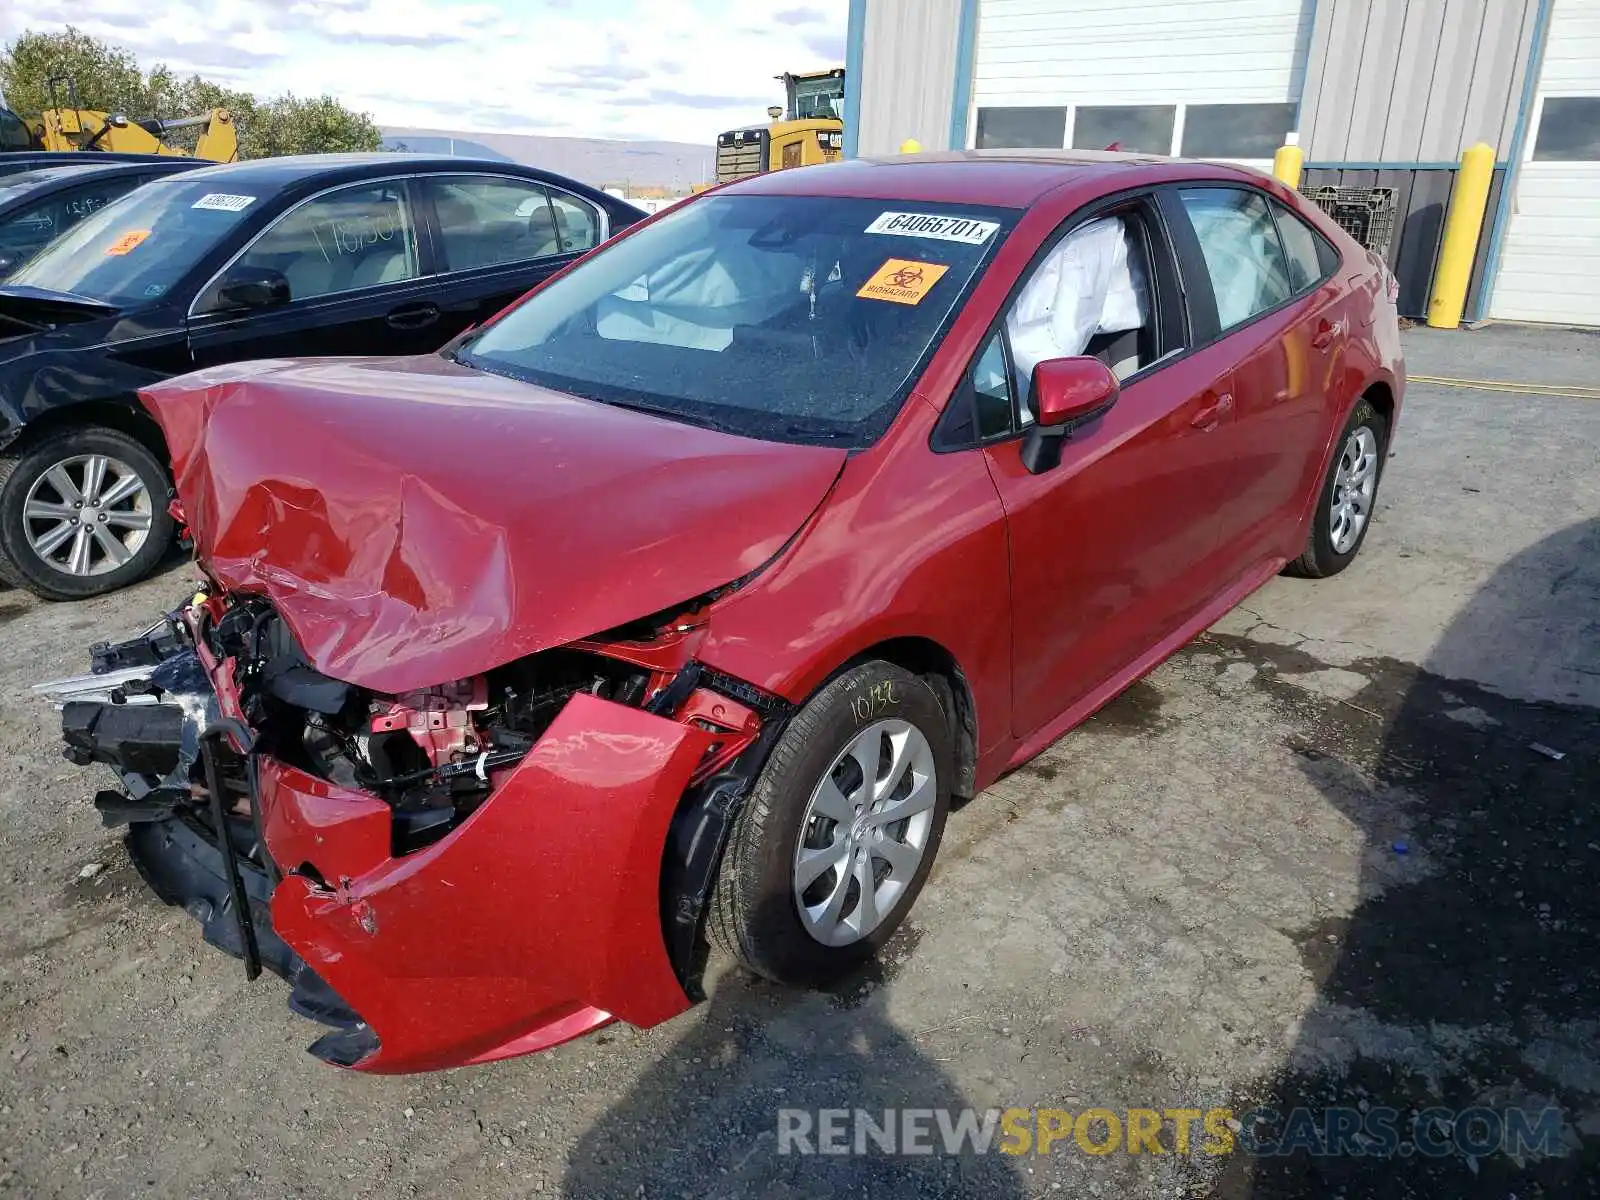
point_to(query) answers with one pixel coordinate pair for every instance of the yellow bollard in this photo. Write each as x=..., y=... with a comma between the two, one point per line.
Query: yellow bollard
x=911, y=146
x=1286, y=163
x=1468, y=200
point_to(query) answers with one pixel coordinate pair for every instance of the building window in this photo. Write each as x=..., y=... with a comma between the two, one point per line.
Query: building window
x=1569, y=130
x=1135, y=128
x=1021, y=128
x=1235, y=130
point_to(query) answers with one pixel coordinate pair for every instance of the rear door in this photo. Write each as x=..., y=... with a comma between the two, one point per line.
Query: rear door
x=1261, y=293
x=499, y=235
x=359, y=280
x=1111, y=550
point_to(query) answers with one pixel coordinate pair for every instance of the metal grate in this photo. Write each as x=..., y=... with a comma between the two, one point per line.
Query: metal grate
x=1365, y=213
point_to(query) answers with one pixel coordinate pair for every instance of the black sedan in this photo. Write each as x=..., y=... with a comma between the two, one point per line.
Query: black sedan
x=38, y=206
x=286, y=257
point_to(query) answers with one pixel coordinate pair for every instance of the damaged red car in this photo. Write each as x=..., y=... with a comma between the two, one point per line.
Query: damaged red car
x=680, y=602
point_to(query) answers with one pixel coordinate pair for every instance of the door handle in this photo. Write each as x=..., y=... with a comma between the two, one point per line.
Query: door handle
x=1213, y=414
x=1326, y=332
x=413, y=316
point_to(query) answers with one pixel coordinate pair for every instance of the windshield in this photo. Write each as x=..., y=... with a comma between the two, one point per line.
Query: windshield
x=789, y=318
x=137, y=248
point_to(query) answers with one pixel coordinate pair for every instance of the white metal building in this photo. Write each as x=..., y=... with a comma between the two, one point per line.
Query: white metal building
x=1550, y=264
x=1380, y=93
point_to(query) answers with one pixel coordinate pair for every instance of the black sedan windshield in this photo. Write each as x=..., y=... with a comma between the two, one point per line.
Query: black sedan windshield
x=137, y=248
x=791, y=318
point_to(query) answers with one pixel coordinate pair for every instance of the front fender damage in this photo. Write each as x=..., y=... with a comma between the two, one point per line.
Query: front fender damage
x=545, y=891
x=545, y=871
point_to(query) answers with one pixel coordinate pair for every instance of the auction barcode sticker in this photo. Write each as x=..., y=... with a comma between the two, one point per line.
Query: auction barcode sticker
x=928, y=225
x=222, y=202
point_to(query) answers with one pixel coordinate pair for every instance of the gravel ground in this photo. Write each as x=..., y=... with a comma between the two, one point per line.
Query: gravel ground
x=1315, y=859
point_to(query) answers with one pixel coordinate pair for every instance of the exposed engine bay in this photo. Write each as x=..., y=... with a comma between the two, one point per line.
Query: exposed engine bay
x=432, y=755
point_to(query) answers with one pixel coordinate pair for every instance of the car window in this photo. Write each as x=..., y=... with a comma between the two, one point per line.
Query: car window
x=28, y=230
x=991, y=389
x=577, y=220
x=1090, y=295
x=139, y=246
x=1307, y=252
x=357, y=237
x=1248, y=270
x=791, y=318
x=485, y=220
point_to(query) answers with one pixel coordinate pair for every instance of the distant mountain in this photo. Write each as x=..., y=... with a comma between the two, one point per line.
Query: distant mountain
x=595, y=161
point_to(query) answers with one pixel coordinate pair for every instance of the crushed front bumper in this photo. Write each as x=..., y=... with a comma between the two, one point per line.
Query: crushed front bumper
x=536, y=920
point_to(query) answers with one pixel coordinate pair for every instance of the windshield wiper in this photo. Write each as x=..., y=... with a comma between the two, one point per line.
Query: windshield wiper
x=671, y=414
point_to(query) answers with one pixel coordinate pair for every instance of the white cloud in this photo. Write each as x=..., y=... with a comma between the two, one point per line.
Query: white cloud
x=681, y=71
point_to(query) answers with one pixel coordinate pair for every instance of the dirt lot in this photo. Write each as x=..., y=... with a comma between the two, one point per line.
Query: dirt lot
x=1315, y=859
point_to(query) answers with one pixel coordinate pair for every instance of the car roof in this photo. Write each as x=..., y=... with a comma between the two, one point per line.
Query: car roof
x=27, y=160
x=1002, y=178
x=67, y=173
x=276, y=174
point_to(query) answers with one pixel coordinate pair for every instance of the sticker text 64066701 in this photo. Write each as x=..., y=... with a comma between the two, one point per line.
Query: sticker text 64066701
x=969, y=230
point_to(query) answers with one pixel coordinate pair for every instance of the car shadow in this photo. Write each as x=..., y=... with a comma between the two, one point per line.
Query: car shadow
x=1469, y=974
x=703, y=1120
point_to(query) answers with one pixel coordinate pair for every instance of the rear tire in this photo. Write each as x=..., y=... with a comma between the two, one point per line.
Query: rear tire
x=1348, y=498
x=758, y=914
x=42, y=499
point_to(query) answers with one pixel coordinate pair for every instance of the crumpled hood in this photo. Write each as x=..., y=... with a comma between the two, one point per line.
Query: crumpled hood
x=416, y=521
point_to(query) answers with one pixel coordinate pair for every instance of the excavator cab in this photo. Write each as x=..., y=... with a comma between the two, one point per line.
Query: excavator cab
x=808, y=130
x=14, y=133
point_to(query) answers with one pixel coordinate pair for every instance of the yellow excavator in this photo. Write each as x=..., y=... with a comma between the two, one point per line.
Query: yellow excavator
x=809, y=129
x=72, y=127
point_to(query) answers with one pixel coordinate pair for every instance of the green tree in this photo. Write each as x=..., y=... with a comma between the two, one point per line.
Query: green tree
x=108, y=78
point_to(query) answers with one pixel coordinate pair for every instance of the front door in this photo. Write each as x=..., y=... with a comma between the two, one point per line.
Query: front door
x=1111, y=549
x=358, y=283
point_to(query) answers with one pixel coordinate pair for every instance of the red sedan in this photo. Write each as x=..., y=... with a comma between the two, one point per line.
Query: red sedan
x=680, y=600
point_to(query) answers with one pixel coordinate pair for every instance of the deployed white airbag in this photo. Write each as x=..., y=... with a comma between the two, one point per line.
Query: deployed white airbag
x=695, y=300
x=1085, y=286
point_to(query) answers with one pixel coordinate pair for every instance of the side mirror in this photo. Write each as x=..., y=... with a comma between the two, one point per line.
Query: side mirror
x=1067, y=393
x=253, y=287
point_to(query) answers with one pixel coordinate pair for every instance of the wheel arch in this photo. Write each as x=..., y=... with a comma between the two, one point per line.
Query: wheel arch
x=111, y=414
x=925, y=657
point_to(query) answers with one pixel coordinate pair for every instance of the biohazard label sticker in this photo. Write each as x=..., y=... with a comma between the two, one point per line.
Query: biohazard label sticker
x=223, y=202
x=127, y=243
x=967, y=230
x=901, y=281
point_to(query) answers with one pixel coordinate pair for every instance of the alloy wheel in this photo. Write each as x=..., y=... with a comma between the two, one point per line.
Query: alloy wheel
x=865, y=832
x=1355, y=484
x=88, y=515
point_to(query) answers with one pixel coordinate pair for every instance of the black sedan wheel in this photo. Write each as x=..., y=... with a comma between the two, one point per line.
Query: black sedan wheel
x=82, y=513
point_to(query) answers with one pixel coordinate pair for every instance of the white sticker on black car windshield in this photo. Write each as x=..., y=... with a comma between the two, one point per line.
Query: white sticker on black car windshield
x=222, y=202
x=928, y=225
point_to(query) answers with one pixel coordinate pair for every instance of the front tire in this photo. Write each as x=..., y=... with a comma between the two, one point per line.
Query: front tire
x=839, y=833
x=82, y=513
x=1348, y=498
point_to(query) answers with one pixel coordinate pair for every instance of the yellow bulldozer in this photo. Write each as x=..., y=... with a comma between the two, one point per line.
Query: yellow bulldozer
x=72, y=127
x=809, y=129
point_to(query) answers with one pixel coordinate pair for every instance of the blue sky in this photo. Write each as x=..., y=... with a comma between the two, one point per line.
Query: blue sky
x=682, y=70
